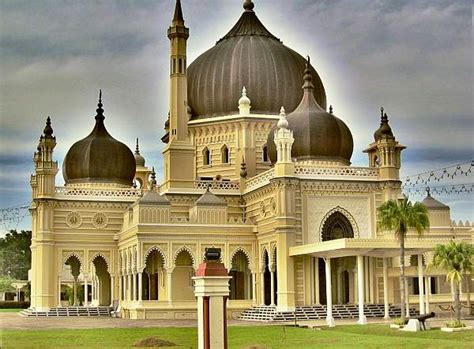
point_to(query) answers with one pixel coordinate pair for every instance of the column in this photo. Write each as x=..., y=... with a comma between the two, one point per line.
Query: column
x=140, y=287
x=407, y=299
x=134, y=286
x=262, y=287
x=370, y=276
x=254, y=290
x=112, y=291
x=329, y=318
x=120, y=288
x=360, y=282
x=428, y=293
x=59, y=293
x=421, y=284
x=272, y=286
x=366, y=279
x=86, y=303
x=339, y=285
x=385, y=288
x=169, y=274
x=129, y=287
x=316, y=284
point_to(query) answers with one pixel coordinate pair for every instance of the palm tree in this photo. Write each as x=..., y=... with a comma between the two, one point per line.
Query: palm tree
x=400, y=216
x=457, y=260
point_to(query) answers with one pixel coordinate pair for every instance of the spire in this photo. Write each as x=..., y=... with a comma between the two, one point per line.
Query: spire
x=248, y=5
x=384, y=131
x=178, y=14
x=308, y=78
x=244, y=103
x=330, y=109
x=137, y=149
x=48, y=130
x=153, y=179
x=99, y=110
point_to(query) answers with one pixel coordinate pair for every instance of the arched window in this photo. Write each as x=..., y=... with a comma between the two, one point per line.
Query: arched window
x=206, y=156
x=265, y=153
x=337, y=226
x=225, y=154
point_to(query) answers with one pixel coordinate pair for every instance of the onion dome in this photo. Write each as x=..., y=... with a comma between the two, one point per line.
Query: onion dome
x=384, y=131
x=139, y=159
x=433, y=204
x=318, y=135
x=248, y=55
x=48, y=130
x=99, y=158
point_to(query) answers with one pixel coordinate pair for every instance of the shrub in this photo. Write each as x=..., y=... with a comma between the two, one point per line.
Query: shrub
x=454, y=324
x=399, y=321
x=14, y=305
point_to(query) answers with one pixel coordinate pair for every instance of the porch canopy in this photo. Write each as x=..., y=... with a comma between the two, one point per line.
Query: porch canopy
x=381, y=247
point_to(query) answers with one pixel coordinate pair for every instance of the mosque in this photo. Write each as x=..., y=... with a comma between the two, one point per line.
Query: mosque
x=256, y=164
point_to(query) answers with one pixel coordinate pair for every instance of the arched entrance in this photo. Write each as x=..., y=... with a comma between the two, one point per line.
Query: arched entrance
x=336, y=226
x=183, y=272
x=241, y=282
x=154, y=287
x=74, y=265
x=101, y=289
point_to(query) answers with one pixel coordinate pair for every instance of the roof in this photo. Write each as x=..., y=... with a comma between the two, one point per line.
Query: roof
x=210, y=199
x=153, y=198
x=433, y=204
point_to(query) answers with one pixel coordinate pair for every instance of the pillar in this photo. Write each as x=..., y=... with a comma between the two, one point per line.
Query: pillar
x=385, y=288
x=129, y=287
x=360, y=282
x=59, y=293
x=339, y=285
x=112, y=290
x=365, y=279
x=262, y=287
x=254, y=291
x=120, y=296
x=428, y=293
x=140, y=286
x=421, y=284
x=407, y=299
x=169, y=274
x=272, y=286
x=134, y=287
x=316, y=283
x=329, y=318
x=86, y=303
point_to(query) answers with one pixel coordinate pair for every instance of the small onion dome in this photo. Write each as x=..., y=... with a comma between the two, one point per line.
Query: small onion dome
x=318, y=134
x=384, y=131
x=433, y=204
x=139, y=159
x=99, y=158
x=248, y=55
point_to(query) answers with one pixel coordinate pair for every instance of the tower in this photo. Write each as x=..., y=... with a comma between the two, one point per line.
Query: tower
x=179, y=152
x=42, y=212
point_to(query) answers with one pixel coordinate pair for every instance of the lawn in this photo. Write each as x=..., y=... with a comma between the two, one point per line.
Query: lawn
x=353, y=336
x=12, y=310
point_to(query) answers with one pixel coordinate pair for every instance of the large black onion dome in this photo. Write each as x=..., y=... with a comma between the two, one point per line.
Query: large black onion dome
x=249, y=55
x=318, y=135
x=99, y=158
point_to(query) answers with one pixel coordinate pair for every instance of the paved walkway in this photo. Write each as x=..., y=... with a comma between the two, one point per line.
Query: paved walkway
x=12, y=321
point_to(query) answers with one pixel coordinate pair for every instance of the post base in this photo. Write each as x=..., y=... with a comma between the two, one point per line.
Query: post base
x=362, y=320
x=330, y=321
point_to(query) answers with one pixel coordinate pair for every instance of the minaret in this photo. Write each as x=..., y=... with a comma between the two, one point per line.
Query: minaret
x=43, y=280
x=43, y=182
x=283, y=138
x=179, y=153
x=385, y=154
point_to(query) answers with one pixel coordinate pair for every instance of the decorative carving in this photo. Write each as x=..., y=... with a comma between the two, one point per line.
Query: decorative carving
x=74, y=219
x=346, y=214
x=260, y=180
x=263, y=208
x=100, y=220
x=105, y=255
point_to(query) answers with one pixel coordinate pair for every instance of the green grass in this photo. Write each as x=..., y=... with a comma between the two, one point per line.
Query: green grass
x=353, y=336
x=12, y=310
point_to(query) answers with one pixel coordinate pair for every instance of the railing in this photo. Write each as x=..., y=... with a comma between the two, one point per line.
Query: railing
x=115, y=193
x=261, y=179
x=313, y=171
x=221, y=185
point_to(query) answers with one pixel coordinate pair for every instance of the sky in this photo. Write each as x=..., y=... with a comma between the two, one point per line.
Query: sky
x=413, y=57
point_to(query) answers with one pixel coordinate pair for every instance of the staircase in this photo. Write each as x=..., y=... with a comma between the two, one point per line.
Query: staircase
x=68, y=311
x=318, y=312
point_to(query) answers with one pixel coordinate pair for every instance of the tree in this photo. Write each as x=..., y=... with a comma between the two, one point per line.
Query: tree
x=457, y=260
x=15, y=254
x=400, y=216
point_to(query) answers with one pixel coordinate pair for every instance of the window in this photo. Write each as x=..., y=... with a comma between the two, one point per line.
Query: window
x=265, y=153
x=206, y=156
x=225, y=154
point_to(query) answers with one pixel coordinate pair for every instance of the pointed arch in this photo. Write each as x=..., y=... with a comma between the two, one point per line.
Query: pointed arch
x=244, y=251
x=159, y=250
x=346, y=219
x=225, y=154
x=187, y=249
x=74, y=254
x=101, y=254
x=265, y=153
x=206, y=156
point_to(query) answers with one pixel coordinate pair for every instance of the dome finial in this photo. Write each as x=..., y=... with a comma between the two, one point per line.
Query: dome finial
x=308, y=77
x=153, y=179
x=330, y=109
x=244, y=103
x=283, y=122
x=48, y=130
x=428, y=191
x=99, y=110
x=248, y=5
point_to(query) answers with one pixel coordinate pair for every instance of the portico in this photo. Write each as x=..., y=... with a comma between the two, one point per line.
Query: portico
x=364, y=275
